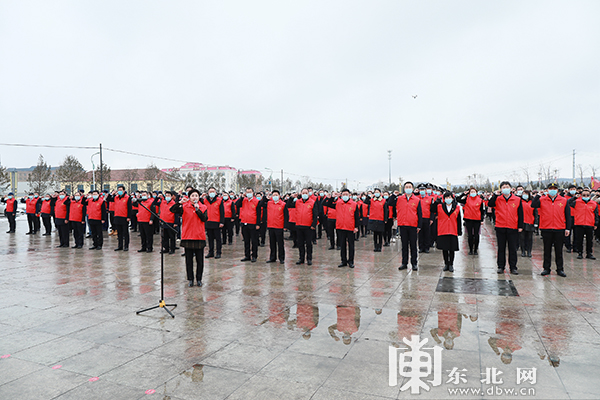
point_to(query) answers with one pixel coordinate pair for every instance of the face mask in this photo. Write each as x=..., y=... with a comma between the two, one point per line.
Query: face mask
x=506, y=191
x=448, y=200
x=168, y=199
x=120, y=193
x=572, y=192
x=525, y=197
x=586, y=199
x=519, y=192
x=46, y=198
x=304, y=196
x=144, y=197
x=249, y=195
x=275, y=198
x=408, y=191
x=310, y=193
x=77, y=198
x=225, y=197
x=552, y=192
x=211, y=194
x=30, y=196
x=321, y=194
x=95, y=197
x=385, y=196
x=9, y=197
x=295, y=199
x=428, y=191
x=62, y=196
x=377, y=194
x=153, y=196
x=364, y=197
x=345, y=198
x=472, y=194
x=36, y=196
x=354, y=197
x=480, y=193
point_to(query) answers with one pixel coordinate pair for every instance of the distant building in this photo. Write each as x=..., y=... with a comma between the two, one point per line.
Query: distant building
x=202, y=173
x=18, y=180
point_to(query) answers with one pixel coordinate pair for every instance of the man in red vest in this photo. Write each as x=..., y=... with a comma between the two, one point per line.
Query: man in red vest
x=46, y=213
x=146, y=206
x=347, y=221
x=122, y=208
x=274, y=216
x=250, y=222
x=216, y=221
x=96, y=212
x=424, y=233
x=509, y=222
x=585, y=214
x=555, y=224
x=10, y=211
x=306, y=222
x=61, y=208
x=169, y=235
x=409, y=217
x=32, y=209
x=77, y=219
x=229, y=216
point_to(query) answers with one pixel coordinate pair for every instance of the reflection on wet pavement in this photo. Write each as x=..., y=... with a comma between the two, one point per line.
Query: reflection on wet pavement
x=269, y=330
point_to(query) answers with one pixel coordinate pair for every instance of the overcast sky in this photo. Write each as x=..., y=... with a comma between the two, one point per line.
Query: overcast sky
x=318, y=88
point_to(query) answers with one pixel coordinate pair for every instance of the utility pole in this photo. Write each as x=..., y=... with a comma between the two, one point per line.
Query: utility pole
x=390, y=162
x=573, y=166
x=101, y=168
x=282, y=185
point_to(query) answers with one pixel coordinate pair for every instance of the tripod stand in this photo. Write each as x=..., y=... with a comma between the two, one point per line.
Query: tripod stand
x=161, y=302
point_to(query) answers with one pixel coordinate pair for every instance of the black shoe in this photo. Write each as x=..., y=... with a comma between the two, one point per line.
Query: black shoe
x=299, y=262
x=386, y=244
x=331, y=248
x=209, y=255
x=253, y=259
x=451, y=268
x=74, y=247
x=314, y=242
x=245, y=259
x=580, y=256
x=500, y=270
x=92, y=248
x=590, y=257
x=282, y=262
x=513, y=271
x=529, y=254
x=191, y=283
x=29, y=233
x=342, y=265
x=87, y=237
x=125, y=248
x=475, y=253
x=426, y=251
x=309, y=262
x=199, y=283
x=141, y=250
x=172, y=252
x=182, y=254
x=545, y=272
x=351, y=265
x=561, y=273
x=446, y=268
x=118, y=249
x=470, y=252
x=149, y=251
x=99, y=248
x=218, y=256
x=338, y=248
x=569, y=251
x=414, y=268
x=421, y=251
x=523, y=254
x=403, y=266
x=270, y=261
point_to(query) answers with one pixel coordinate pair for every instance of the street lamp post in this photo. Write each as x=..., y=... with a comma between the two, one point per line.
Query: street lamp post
x=94, y=171
x=390, y=162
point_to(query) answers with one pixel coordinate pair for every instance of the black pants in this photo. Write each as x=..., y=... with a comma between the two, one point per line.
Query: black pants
x=387, y=231
x=134, y=222
x=78, y=229
x=47, y=220
x=433, y=233
x=31, y=222
x=346, y=238
x=305, y=244
x=146, y=234
x=553, y=238
x=526, y=241
x=567, y=240
x=214, y=234
x=510, y=237
x=331, y=233
x=237, y=224
x=262, y=233
x=169, y=236
x=12, y=225
x=424, y=239
x=189, y=263
x=122, y=232
x=377, y=240
x=63, y=233
x=448, y=257
x=96, y=228
x=588, y=232
x=408, y=235
x=227, y=231
x=473, y=227
x=276, y=244
x=250, y=235
x=322, y=224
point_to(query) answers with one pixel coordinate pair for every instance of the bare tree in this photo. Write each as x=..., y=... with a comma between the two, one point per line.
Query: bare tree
x=105, y=175
x=204, y=181
x=594, y=170
x=130, y=176
x=151, y=176
x=525, y=171
x=4, y=179
x=71, y=173
x=189, y=180
x=41, y=178
x=219, y=181
x=581, y=171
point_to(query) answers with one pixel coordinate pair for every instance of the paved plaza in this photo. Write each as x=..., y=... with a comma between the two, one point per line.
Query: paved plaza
x=68, y=327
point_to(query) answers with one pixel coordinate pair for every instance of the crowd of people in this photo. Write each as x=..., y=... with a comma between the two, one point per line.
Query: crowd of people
x=423, y=216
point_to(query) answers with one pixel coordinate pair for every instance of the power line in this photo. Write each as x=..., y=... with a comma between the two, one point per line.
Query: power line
x=49, y=146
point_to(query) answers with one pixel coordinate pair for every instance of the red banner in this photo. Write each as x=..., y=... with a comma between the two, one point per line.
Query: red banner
x=595, y=184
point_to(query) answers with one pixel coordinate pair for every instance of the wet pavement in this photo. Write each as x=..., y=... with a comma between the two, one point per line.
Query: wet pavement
x=68, y=327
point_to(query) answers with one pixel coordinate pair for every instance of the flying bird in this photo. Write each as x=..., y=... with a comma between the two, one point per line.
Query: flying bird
x=414, y=96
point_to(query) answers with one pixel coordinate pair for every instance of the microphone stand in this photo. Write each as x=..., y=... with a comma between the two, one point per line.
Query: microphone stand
x=161, y=302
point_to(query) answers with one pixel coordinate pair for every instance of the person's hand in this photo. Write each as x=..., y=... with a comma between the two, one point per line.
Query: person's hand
x=184, y=200
x=102, y=221
x=312, y=227
x=418, y=230
x=520, y=230
x=66, y=221
x=174, y=225
x=430, y=222
x=220, y=225
x=150, y=222
x=128, y=219
x=355, y=230
x=257, y=227
x=83, y=222
x=567, y=232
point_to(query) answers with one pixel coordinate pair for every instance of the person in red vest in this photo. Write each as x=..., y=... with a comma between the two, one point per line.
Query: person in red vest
x=555, y=224
x=389, y=223
x=146, y=205
x=322, y=216
x=409, y=217
x=122, y=209
x=585, y=214
x=474, y=215
x=46, y=213
x=216, y=221
x=228, y=217
x=331, y=222
x=32, y=209
x=346, y=224
x=77, y=219
x=249, y=219
x=61, y=203
x=10, y=211
x=169, y=235
x=449, y=227
x=378, y=210
x=424, y=233
x=529, y=223
x=306, y=222
x=509, y=223
x=97, y=214
x=274, y=216
x=193, y=234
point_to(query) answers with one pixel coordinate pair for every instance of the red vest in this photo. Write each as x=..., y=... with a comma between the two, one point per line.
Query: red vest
x=248, y=211
x=30, y=205
x=11, y=205
x=292, y=215
x=120, y=206
x=331, y=213
x=192, y=228
x=75, y=211
x=60, y=209
x=165, y=211
x=584, y=213
x=275, y=214
x=214, y=210
x=507, y=214
x=364, y=209
x=552, y=213
x=345, y=215
x=528, y=216
x=426, y=206
x=391, y=213
x=144, y=215
x=94, y=209
x=472, y=208
x=406, y=210
x=227, y=207
x=111, y=206
x=46, y=207
x=376, y=211
x=447, y=224
x=304, y=212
